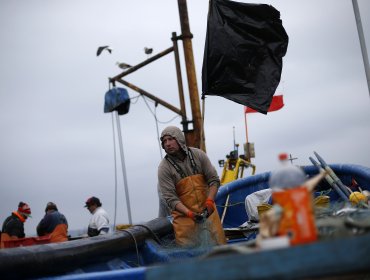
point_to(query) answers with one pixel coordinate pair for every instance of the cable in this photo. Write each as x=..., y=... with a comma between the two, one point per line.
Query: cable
x=156, y=124
x=135, y=97
x=162, y=122
x=202, y=136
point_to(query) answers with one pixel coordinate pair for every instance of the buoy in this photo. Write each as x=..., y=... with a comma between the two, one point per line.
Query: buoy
x=357, y=197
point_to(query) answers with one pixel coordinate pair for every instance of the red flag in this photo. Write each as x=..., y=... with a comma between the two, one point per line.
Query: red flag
x=276, y=104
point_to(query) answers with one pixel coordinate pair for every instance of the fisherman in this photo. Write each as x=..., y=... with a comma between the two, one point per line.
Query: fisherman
x=54, y=224
x=188, y=183
x=13, y=226
x=99, y=222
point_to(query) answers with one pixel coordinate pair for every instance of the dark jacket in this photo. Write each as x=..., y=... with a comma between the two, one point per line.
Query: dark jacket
x=49, y=222
x=13, y=226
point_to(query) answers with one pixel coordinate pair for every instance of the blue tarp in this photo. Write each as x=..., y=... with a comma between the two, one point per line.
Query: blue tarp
x=117, y=99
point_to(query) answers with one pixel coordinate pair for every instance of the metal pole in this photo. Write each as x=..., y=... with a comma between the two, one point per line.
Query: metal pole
x=151, y=96
x=247, y=156
x=115, y=175
x=179, y=80
x=192, y=80
x=142, y=64
x=234, y=138
x=123, y=168
x=360, y=31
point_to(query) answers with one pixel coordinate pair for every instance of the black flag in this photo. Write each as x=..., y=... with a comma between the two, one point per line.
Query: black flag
x=243, y=53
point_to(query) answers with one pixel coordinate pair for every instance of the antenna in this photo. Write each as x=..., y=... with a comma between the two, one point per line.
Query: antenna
x=234, y=137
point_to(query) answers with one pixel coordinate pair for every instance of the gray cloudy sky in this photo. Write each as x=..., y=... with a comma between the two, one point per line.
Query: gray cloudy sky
x=56, y=142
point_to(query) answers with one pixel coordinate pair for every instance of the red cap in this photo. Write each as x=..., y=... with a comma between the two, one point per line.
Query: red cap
x=283, y=156
x=24, y=209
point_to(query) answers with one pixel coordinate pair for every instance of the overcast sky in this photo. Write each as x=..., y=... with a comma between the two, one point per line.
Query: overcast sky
x=57, y=144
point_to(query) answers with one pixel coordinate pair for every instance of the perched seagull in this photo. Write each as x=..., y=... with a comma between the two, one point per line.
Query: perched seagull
x=100, y=49
x=148, y=50
x=123, y=65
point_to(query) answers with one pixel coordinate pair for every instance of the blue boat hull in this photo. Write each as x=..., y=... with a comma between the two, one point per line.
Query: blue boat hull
x=146, y=252
x=238, y=190
x=338, y=259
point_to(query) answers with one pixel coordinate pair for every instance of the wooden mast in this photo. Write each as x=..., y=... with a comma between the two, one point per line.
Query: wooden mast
x=193, y=137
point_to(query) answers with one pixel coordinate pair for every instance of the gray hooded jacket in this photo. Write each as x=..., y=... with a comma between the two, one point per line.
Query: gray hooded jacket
x=168, y=177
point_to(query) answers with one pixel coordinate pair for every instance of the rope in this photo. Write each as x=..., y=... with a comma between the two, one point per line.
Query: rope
x=133, y=237
x=229, y=205
x=156, y=122
x=152, y=232
x=136, y=247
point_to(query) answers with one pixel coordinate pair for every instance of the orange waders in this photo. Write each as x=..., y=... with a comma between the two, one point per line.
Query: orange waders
x=5, y=237
x=192, y=192
x=59, y=234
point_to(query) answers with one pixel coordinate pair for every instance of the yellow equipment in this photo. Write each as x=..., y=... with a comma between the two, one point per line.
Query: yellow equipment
x=357, y=197
x=234, y=167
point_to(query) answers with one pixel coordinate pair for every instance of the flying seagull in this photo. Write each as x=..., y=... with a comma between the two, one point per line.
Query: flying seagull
x=123, y=65
x=148, y=50
x=100, y=49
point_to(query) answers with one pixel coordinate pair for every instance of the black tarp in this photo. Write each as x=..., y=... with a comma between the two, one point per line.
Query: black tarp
x=117, y=99
x=243, y=53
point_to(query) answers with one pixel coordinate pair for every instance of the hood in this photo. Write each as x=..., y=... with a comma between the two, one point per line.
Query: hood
x=176, y=133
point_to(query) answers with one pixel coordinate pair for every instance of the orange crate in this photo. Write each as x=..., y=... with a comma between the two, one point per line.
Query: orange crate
x=27, y=241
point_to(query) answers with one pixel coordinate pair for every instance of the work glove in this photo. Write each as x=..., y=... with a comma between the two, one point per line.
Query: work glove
x=209, y=206
x=198, y=218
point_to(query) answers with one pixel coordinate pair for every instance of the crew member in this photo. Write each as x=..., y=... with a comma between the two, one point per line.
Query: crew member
x=99, y=222
x=53, y=223
x=13, y=226
x=188, y=183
